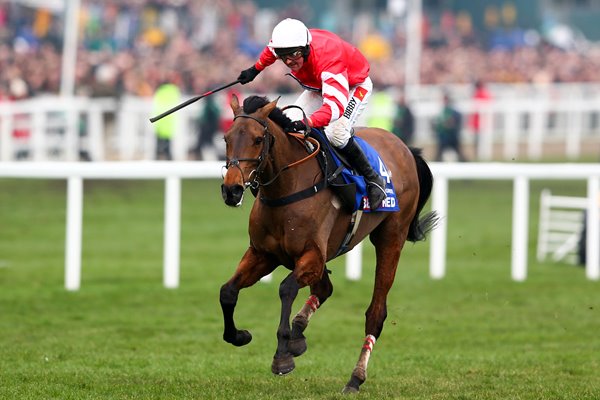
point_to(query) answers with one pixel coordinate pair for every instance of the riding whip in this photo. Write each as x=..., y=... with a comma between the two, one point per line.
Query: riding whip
x=190, y=101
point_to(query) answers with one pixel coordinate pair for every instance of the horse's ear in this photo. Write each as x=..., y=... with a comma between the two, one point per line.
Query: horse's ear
x=235, y=105
x=266, y=110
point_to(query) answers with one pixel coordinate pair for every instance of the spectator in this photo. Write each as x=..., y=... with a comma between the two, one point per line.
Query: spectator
x=127, y=44
x=21, y=122
x=481, y=97
x=404, y=121
x=166, y=96
x=447, y=127
x=208, y=127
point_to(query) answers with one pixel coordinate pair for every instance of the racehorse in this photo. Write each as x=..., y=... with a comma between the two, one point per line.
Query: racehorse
x=298, y=222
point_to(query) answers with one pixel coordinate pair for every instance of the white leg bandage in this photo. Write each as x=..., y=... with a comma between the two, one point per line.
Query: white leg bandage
x=310, y=307
x=365, y=354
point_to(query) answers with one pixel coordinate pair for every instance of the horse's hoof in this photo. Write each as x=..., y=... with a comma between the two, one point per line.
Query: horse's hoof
x=241, y=338
x=297, y=347
x=349, y=390
x=353, y=384
x=283, y=365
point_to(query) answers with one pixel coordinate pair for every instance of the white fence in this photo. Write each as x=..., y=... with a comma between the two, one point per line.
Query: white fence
x=173, y=172
x=560, y=226
x=520, y=174
x=515, y=122
x=75, y=173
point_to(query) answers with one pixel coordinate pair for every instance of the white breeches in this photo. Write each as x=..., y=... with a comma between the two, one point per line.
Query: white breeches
x=339, y=131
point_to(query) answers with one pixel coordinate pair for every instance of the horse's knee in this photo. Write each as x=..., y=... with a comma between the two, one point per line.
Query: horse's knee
x=307, y=278
x=310, y=267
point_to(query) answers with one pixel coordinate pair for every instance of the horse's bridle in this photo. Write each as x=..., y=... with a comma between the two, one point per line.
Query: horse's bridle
x=235, y=162
x=268, y=140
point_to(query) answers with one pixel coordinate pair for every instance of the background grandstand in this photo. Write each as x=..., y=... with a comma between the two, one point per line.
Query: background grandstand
x=125, y=48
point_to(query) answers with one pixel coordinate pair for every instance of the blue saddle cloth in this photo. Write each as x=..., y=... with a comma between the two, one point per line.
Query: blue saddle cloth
x=361, y=199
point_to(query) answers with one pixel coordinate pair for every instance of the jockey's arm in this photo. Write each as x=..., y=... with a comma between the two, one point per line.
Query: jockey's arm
x=335, y=92
x=265, y=59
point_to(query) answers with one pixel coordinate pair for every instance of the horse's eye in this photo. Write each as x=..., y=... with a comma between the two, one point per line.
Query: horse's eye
x=258, y=140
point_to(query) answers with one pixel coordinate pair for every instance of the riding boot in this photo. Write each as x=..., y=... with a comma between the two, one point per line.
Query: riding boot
x=375, y=183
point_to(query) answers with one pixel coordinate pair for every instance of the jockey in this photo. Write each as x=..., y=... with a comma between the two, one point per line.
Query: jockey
x=335, y=78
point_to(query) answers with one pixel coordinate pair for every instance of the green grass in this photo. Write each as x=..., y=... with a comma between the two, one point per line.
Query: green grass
x=473, y=335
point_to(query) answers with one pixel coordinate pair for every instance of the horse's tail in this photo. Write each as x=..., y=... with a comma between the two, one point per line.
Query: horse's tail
x=419, y=227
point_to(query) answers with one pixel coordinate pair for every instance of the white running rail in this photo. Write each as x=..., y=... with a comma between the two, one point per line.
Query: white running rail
x=520, y=174
x=173, y=172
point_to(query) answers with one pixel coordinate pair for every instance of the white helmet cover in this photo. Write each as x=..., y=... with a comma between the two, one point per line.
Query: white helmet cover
x=290, y=33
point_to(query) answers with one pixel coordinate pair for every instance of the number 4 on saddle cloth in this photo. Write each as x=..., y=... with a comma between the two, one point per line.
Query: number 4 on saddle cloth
x=350, y=187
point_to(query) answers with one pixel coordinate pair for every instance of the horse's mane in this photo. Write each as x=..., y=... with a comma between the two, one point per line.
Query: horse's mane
x=253, y=103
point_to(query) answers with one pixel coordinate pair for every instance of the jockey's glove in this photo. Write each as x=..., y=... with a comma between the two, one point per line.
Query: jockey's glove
x=296, y=126
x=248, y=75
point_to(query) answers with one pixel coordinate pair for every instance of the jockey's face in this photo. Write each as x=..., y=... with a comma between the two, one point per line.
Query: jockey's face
x=294, y=61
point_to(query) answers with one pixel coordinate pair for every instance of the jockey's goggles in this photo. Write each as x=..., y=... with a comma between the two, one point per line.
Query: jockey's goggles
x=289, y=53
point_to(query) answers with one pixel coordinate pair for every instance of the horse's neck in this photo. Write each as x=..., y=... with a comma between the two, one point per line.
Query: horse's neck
x=286, y=151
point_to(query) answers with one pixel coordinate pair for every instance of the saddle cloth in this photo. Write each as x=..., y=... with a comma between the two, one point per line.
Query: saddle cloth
x=353, y=180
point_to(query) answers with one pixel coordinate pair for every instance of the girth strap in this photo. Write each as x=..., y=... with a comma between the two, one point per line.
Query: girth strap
x=301, y=195
x=354, y=222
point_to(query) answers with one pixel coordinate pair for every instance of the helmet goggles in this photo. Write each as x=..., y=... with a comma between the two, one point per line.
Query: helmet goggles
x=289, y=53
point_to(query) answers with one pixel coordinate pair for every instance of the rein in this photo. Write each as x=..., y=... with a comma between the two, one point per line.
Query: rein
x=269, y=139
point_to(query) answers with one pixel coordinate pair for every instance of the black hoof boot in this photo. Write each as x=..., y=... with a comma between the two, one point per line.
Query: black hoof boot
x=297, y=344
x=240, y=338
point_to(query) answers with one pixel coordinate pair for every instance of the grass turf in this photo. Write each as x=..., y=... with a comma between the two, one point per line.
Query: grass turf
x=473, y=335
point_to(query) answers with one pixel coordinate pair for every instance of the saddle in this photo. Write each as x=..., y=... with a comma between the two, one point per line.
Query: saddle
x=351, y=188
x=332, y=164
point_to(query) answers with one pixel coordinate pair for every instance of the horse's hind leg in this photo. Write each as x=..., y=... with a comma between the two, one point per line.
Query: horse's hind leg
x=388, y=247
x=319, y=292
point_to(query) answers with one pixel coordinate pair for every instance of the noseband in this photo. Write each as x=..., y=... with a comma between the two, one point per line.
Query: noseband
x=268, y=138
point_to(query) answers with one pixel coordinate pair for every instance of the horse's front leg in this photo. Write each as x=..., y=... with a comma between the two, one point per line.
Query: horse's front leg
x=253, y=266
x=283, y=360
x=308, y=270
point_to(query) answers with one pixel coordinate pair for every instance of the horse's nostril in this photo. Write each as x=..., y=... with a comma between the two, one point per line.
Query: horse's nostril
x=223, y=192
x=232, y=194
x=237, y=190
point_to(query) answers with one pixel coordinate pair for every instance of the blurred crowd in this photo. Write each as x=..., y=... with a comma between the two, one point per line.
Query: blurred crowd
x=131, y=46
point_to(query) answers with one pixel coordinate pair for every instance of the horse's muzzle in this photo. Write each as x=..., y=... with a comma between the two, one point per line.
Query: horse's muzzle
x=233, y=195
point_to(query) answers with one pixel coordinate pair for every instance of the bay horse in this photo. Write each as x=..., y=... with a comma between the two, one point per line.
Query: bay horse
x=307, y=227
